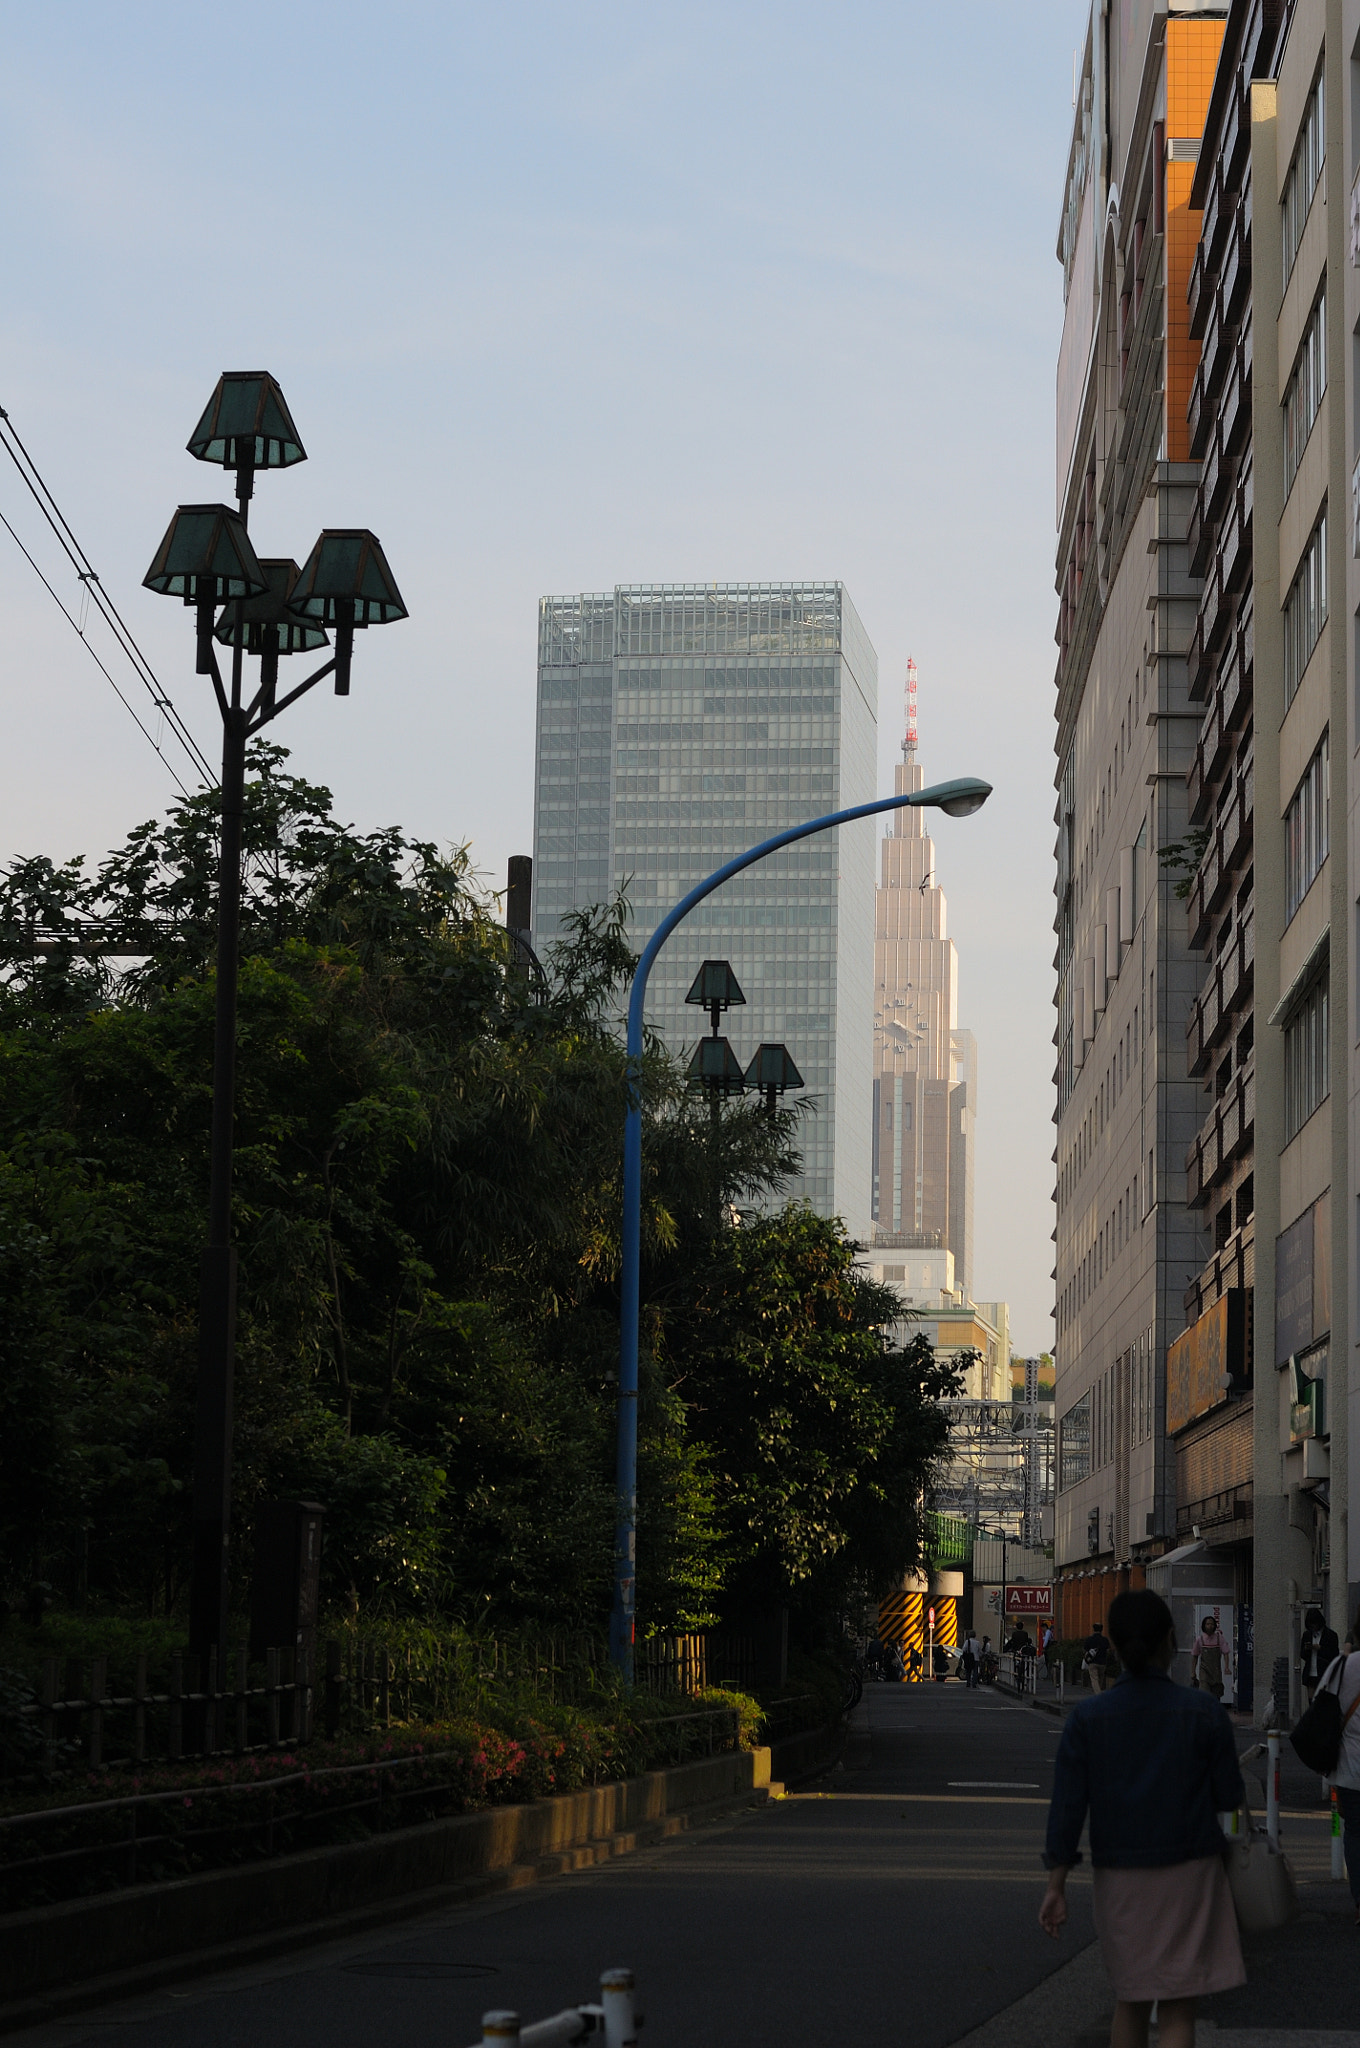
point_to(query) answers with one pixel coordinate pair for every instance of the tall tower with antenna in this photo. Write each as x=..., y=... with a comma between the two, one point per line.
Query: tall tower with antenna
x=925, y=1067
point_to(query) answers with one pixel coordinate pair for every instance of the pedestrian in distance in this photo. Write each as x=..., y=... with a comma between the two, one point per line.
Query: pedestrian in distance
x=970, y=1661
x=1317, y=1648
x=1095, y=1655
x=1048, y=1645
x=1153, y=1764
x=1342, y=1676
x=1210, y=1663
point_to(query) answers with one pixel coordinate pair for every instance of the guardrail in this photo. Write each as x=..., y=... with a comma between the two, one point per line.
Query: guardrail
x=1025, y=1676
x=615, y=2018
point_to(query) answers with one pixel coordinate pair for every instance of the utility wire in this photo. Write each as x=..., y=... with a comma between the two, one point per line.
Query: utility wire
x=129, y=708
x=88, y=576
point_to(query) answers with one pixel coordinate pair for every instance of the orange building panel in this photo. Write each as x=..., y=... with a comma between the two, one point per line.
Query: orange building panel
x=1192, y=49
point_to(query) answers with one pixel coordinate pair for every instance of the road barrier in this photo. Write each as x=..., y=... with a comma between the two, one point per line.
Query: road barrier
x=615, y=2018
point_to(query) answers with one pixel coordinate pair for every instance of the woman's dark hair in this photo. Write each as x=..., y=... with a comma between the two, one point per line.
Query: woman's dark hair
x=1139, y=1624
x=1313, y=1618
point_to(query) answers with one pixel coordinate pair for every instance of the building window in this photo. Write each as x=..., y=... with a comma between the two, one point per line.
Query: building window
x=1305, y=609
x=1305, y=1059
x=1303, y=393
x=1074, y=1444
x=1307, y=830
x=1309, y=154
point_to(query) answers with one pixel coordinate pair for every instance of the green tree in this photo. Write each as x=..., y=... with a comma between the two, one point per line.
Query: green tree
x=426, y=1203
x=821, y=1433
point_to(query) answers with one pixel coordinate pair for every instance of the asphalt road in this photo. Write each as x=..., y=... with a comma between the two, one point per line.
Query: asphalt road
x=899, y=1899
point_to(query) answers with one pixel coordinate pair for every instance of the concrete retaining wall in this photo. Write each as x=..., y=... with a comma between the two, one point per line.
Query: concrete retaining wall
x=123, y=1941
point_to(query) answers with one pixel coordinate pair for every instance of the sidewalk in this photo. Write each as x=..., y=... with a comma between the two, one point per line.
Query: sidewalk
x=1303, y=1984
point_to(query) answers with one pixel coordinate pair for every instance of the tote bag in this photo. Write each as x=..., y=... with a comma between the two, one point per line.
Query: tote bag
x=1261, y=1879
x=1317, y=1734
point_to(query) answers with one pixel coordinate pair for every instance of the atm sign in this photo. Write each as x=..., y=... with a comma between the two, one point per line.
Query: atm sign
x=1029, y=1599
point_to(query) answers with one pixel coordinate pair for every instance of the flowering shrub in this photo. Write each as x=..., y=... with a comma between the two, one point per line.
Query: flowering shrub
x=197, y=1816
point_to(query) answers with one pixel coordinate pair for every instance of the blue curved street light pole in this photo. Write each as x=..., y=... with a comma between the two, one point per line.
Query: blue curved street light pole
x=958, y=799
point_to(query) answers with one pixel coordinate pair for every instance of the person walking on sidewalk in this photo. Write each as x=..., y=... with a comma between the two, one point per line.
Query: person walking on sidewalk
x=1342, y=1677
x=1210, y=1664
x=970, y=1662
x=1154, y=1764
x=1095, y=1655
x=1317, y=1647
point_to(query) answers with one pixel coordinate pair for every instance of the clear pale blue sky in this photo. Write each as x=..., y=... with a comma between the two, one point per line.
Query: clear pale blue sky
x=563, y=296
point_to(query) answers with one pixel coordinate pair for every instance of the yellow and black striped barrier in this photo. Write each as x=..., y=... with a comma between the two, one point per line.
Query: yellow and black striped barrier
x=901, y=1620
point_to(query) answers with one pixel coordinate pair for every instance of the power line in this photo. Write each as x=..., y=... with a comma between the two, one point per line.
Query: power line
x=130, y=709
x=108, y=611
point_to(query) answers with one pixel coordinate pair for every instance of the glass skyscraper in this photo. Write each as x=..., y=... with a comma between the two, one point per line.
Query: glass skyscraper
x=679, y=724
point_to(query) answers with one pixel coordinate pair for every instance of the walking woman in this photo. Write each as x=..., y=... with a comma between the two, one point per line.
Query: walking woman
x=1154, y=1764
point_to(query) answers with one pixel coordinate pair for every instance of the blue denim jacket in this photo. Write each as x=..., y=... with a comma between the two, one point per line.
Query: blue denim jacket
x=1155, y=1763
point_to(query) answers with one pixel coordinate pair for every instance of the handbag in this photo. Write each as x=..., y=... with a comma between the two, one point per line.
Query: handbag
x=1260, y=1878
x=1317, y=1733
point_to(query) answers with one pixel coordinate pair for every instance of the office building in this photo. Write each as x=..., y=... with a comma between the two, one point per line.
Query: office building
x=925, y=1067
x=1127, y=1244
x=1304, y=311
x=1256, y=1384
x=678, y=725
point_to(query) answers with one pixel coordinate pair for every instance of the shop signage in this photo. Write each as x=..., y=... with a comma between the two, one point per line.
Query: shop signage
x=1029, y=1599
x=1205, y=1360
x=1303, y=1281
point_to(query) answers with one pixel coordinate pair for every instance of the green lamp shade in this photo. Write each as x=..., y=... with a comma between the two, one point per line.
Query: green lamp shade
x=773, y=1067
x=267, y=625
x=716, y=983
x=346, y=579
x=247, y=421
x=713, y=1064
x=206, y=556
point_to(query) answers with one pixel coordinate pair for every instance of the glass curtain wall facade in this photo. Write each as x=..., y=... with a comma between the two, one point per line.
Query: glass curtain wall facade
x=678, y=725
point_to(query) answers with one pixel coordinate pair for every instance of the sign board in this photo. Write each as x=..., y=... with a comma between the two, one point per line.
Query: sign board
x=930, y=1616
x=1029, y=1599
x=1303, y=1281
x=1205, y=1360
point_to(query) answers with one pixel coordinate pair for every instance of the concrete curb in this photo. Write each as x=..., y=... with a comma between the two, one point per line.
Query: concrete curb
x=1071, y=2004
x=56, y=1959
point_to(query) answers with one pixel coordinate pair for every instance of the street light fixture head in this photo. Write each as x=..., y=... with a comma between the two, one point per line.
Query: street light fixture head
x=715, y=983
x=206, y=559
x=206, y=553
x=345, y=582
x=267, y=625
x=773, y=1070
x=247, y=426
x=714, y=1066
x=961, y=799
x=346, y=575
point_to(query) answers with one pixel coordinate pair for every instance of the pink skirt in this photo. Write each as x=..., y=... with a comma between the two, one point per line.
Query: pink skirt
x=1170, y=1932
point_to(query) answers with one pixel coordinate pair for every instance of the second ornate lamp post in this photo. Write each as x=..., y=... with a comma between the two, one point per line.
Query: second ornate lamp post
x=272, y=609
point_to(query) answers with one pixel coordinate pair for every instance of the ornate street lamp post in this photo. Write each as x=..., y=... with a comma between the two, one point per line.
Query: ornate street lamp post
x=957, y=800
x=272, y=609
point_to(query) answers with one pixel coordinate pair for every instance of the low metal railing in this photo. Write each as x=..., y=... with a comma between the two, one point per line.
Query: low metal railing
x=615, y=2017
x=143, y=1837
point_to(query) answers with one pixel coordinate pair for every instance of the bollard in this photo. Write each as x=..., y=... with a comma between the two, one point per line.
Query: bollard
x=620, y=2020
x=1338, y=1845
x=500, y=2029
x=1273, y=1790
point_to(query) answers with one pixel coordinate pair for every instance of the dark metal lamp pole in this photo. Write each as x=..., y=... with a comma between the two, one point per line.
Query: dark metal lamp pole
x=272, y=608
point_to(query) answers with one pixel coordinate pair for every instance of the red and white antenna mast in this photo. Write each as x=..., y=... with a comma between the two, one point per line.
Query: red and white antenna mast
x=909, y=743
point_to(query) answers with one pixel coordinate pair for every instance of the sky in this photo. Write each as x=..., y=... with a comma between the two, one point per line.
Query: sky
x=561, y=296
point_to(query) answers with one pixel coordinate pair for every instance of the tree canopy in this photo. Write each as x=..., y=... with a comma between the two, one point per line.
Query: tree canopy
x=426, y=1204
